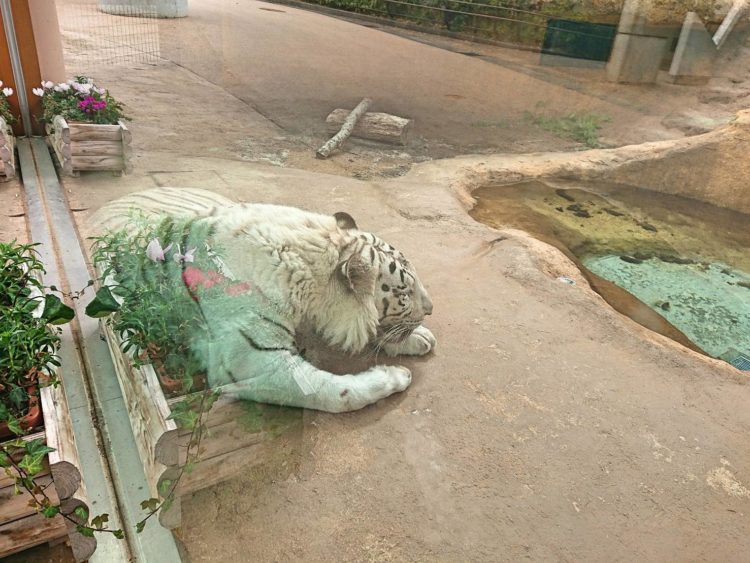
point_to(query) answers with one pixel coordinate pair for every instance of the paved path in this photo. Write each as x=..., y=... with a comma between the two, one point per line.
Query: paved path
x=295, y=66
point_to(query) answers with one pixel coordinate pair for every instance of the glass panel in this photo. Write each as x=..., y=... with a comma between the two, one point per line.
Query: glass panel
x=398, y=280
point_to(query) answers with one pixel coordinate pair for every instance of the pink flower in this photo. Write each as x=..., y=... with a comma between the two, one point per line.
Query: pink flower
x=193, y=277
x=90, y=104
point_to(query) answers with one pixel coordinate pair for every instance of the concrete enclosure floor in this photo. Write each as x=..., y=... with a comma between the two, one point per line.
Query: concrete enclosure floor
x=545, y=426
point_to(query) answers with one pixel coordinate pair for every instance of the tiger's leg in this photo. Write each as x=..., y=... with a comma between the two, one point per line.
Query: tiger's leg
x=420, y=342
x=283, y=378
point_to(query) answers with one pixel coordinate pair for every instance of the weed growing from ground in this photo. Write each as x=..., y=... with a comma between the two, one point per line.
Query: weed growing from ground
x=581, y=126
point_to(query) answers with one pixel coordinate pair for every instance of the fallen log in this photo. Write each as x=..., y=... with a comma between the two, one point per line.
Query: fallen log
x=382, y=127
x=346, y=129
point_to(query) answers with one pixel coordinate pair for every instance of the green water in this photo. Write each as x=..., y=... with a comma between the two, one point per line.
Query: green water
x=689, y=261
x=709, y=302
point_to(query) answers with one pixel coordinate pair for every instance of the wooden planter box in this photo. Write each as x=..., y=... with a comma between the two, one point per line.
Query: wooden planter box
x=21, y=527
x=88, y=146
x=227, y=448
x=7, y=152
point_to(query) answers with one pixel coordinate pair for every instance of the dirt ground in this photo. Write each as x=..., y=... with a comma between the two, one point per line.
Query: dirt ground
x=284, y=75
x=545, y=426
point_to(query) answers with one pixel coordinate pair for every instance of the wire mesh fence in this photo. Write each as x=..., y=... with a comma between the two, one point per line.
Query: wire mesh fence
x=513, y=23
x=94, y=39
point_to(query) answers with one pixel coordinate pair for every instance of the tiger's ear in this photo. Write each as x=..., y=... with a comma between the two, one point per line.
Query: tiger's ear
x=357, y=274
x=344, y=220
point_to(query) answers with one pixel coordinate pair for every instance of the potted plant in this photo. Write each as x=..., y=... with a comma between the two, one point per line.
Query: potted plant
x=85, y=126
x=39, y=474
x=7, y=140
x=28, y=345
x=155, y=279
x=145, y=284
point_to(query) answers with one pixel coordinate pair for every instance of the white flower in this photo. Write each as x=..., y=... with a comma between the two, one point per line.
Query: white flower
x=189, y=256
x=8, y=92
x=101, y=91
x=47, y=84
x=1, y=82
x=155, y=252
x=82, y=88
x=38, y=91
x=62, y=87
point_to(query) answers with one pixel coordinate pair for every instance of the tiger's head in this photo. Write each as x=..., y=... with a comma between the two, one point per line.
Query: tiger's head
x=382, y=277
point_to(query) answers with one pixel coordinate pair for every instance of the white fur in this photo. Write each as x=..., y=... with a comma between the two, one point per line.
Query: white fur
x=290, y=255
x=292, y=258
x=418, y=343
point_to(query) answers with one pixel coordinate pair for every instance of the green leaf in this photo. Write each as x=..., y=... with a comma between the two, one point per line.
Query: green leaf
x=14, y=425
x=4, y=459
x=82, y=512
x=165, y=487
x=51, y=511
x=37, y=447
x=119, y=534
x=103, y=304
x=18, y=397
x=139, y=526
x=85, y=530
x=150, y=504
x=186, y=419
x=55, y=311
x=32, y=463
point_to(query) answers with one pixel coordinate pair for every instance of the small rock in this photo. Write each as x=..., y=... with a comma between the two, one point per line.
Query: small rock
x=674, y=259
x=578, y=210
x=630, y=259
x=693, y=122
x=648, y=227
x=719, y=95
x=613, y=212
x=563, y=194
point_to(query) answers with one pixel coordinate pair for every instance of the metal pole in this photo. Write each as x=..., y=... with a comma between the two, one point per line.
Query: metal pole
x=15, y=60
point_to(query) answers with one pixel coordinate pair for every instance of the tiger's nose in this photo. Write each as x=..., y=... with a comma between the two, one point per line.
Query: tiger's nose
x=426, y=304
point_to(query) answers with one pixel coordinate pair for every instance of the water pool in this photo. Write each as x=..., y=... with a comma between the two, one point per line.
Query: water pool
x=688, y=261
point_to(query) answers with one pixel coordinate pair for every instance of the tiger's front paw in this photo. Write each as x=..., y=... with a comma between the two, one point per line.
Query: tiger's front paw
x=420, y=342
x=377, y=383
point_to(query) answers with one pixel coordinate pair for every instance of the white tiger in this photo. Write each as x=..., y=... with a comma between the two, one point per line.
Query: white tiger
x=313, y=270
